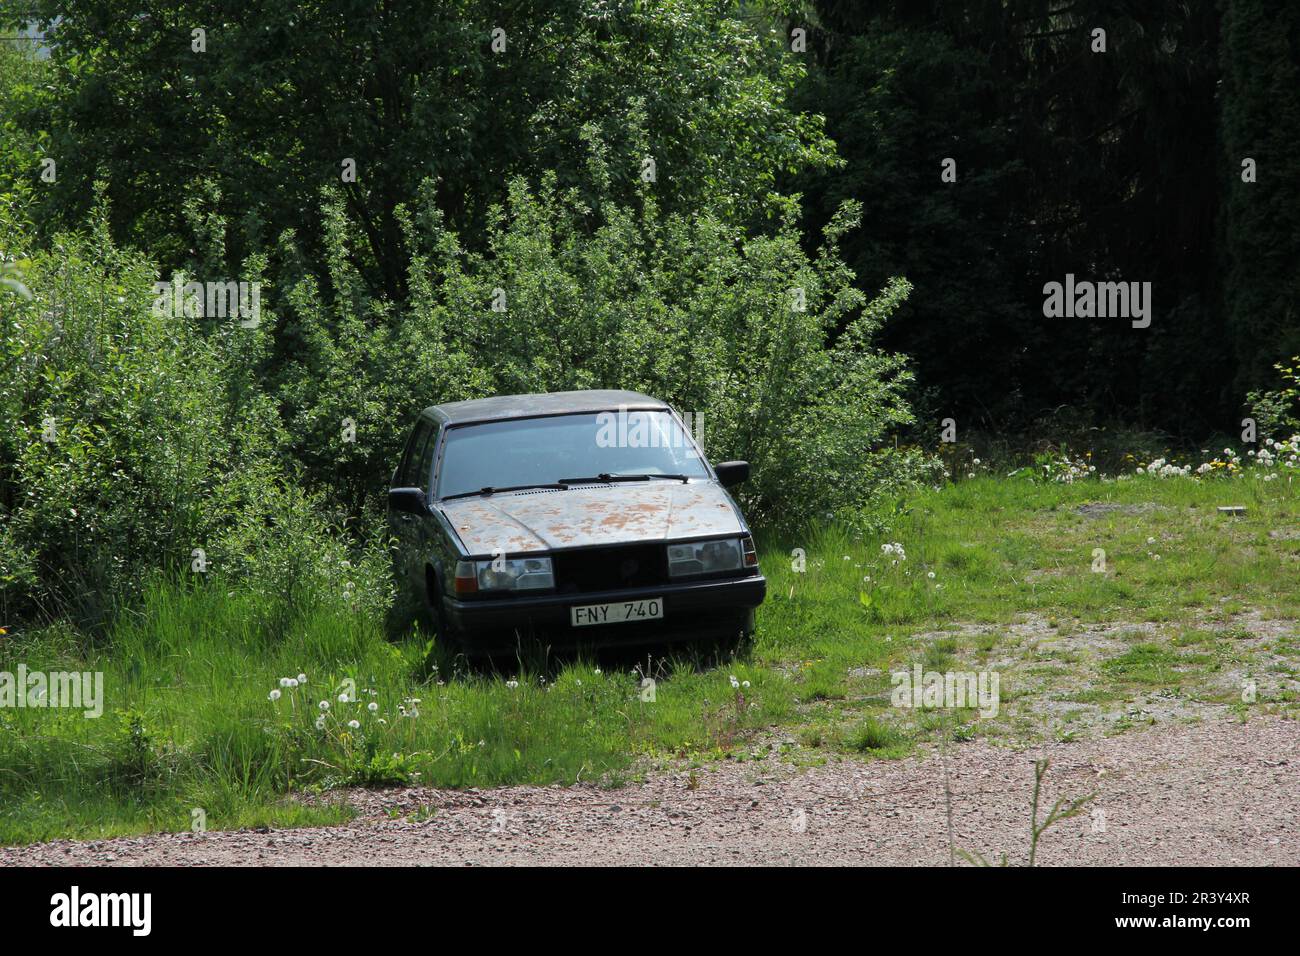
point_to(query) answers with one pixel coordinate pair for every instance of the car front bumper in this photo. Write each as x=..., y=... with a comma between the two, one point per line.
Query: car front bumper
x=694, y=610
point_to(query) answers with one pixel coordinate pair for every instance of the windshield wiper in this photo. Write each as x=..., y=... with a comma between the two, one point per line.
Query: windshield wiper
x=492, y=491
x=563, y=484
x=605, y=478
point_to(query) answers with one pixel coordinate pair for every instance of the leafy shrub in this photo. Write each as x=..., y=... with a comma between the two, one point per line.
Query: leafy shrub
x=1277, y=412
x=133, y=441
x=130, y=441
x=740, y=331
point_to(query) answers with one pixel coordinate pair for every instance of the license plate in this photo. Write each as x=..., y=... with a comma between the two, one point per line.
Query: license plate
x=619, y=612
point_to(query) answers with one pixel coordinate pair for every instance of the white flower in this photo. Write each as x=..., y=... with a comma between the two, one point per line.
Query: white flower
x=744, y=683
x=1151, y=540
x=320, y=723
x=291, y=682
x=930, y=575
x=976, y=462
x=302, y=678
x=274, y=695
x=354, y=724
x=285, y=682
x=324, y=705
x=734, y=683
x=372, y=707
x=343, y=698
x=512, y=684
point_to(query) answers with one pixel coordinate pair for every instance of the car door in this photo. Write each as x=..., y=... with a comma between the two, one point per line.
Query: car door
x=425, y=527
x=406, y=528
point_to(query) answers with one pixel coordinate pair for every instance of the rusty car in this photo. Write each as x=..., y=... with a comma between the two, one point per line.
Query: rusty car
x=576, y=519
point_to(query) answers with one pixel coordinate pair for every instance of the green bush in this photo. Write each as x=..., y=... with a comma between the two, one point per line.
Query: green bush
x=686, y=308
x=1277, y=412
x=133, y=441
x=130, y=441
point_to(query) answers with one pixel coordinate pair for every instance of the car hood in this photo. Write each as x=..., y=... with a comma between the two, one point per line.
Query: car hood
x=592, y=515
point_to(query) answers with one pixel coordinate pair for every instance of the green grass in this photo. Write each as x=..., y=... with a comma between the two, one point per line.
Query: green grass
x=188, y=723
x=874, y=737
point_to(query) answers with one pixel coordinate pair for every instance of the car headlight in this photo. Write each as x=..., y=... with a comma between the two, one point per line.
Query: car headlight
x=505, y=574
x=706, y=557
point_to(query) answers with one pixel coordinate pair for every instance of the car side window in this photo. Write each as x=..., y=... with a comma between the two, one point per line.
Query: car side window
x=410, y=476
x=404, y=465
x=423, y=477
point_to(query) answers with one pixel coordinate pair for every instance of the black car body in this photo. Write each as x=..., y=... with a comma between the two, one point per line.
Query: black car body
x=574, y=518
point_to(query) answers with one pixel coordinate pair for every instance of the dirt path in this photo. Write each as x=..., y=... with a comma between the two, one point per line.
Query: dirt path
x=1217, y=792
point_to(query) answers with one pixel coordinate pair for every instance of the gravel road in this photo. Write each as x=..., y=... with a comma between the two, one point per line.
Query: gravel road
x=1215, y=793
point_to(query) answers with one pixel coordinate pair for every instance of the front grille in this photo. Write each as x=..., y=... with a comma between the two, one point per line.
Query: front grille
x=609, y=569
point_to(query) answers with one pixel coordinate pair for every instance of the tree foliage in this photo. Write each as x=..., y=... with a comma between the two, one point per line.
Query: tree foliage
x=284, y=93
x=1261, y=122
x=1104, y=165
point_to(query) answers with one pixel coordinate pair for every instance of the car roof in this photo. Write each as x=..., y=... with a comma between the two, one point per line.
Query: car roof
x=503, y=407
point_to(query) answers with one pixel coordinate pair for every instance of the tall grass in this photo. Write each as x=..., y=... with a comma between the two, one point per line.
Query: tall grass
x=189, y=671
x=189, y=720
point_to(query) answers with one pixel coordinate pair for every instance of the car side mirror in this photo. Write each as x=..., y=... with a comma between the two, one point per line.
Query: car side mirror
x=731, y=472
x=408, y=500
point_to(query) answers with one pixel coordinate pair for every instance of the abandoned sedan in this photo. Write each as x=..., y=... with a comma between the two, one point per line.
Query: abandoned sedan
x=572, y=518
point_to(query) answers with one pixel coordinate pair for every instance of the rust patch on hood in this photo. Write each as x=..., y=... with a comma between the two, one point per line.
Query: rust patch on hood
x=585, y=516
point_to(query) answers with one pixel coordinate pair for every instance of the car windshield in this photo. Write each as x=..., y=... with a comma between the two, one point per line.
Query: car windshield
x=541, y=451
